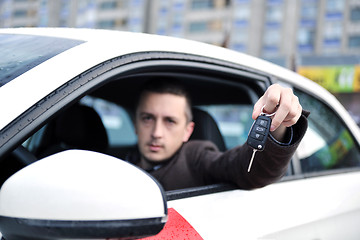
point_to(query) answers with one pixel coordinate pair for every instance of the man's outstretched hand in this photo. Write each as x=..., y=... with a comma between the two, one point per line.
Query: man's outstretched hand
x=287, y=107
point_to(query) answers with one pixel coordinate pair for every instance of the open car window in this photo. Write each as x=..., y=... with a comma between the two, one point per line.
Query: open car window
x=99, y=116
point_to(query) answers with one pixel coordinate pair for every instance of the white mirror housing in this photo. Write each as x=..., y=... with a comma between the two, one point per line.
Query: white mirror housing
x=79, y=194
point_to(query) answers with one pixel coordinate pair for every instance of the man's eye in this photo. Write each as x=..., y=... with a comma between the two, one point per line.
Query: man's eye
x=146, y=118
x=170, y=121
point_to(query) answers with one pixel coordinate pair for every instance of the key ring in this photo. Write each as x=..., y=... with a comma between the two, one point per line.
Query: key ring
x=267, y=114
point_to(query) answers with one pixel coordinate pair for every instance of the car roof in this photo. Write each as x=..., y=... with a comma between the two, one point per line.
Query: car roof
x=108, y=44
x=102, y=45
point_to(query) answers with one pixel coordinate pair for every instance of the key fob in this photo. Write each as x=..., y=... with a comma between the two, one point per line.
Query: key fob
x=259, y=132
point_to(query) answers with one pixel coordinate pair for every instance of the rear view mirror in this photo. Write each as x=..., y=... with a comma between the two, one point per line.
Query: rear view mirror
x=80, y=194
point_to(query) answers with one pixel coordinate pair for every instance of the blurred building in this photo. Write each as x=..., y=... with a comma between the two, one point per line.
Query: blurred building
x=277, y=30
x=129, y=15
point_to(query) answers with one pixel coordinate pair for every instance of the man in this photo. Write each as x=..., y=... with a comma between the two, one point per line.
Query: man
x=163, y=123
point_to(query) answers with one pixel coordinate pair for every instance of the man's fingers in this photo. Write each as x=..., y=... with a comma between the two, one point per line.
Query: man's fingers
x=273, y=98
x=269, y=101
x=284, y=107
x=293, y=117
x=257, y=108
x=288, y=113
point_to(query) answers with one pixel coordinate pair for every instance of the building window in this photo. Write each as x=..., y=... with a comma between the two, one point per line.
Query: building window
x=309, y=9
x=355, y=14
x=202, y=4
x=274, y=2
x=274, y=15
x=333, y=30
x=195, y=27
x=106, y=24
x=271, y=42
x=240, y=47
x=272, y=37
x=334, y=5
x=20, y=13
x=270, y=50
x=240, y=36
x=136, y=3
x=354, y=41
x=179, y=6
x=241, y=24
x=108, y=5
x=308, y=23
x=241, y=1
x=306, y=39
x=242, y=12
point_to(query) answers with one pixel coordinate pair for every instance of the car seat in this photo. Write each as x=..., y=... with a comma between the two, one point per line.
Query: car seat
x=79, y=127
x=206, y=129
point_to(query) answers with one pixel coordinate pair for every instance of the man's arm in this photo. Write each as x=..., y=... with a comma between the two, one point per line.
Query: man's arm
x=231, y=166
x=288, y=127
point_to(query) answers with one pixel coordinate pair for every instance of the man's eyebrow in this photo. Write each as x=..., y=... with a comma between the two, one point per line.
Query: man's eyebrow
x=175, y=118
x=171, y=118
x=146, y=113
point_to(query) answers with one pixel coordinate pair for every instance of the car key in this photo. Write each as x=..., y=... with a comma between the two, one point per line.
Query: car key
x=258, y=134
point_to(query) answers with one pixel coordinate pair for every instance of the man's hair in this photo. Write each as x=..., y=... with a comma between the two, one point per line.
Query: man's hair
x=165, y=85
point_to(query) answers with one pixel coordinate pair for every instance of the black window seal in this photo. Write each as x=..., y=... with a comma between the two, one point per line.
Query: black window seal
x=198, y=191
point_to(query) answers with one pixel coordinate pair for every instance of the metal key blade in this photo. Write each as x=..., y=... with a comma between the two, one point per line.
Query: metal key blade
x=252, y=159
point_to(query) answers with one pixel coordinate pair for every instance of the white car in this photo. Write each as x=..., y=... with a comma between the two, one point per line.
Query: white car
x=66, y=108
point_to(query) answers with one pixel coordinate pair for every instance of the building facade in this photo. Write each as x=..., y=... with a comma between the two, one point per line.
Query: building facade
x=278, y=30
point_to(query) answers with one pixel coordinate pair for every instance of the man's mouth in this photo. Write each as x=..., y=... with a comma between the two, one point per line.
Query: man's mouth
x=154, y=147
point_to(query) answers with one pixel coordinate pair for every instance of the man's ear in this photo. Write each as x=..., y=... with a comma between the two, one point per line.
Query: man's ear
x=188, y=131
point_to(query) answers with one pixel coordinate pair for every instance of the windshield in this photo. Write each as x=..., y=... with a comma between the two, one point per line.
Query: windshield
x=20, y=53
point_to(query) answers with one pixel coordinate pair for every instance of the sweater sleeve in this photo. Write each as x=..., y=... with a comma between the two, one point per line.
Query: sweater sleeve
x=231, y=166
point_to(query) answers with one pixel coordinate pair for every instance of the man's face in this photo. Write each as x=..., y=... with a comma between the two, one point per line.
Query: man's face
x=161, y=125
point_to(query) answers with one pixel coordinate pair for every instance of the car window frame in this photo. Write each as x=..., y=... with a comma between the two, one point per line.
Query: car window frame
x=122, y=67
x=35, y=117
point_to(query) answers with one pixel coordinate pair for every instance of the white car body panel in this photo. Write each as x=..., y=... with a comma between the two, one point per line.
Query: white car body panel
x=268, y=213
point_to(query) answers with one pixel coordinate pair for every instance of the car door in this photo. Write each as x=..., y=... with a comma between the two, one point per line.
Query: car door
x=318, y=199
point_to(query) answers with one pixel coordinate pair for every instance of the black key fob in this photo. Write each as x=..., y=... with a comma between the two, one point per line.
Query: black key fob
x=259, y=132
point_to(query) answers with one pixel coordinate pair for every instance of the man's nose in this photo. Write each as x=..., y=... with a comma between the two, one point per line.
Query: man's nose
x=157, y=130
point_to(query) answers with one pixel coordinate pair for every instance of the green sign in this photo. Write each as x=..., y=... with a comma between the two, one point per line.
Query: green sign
x=337, y=79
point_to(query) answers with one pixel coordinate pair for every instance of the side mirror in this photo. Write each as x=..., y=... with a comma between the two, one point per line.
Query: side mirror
x=80, y=194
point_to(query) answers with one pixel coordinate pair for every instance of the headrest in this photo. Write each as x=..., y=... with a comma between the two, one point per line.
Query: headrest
x=206, y=128
x=81, y=127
